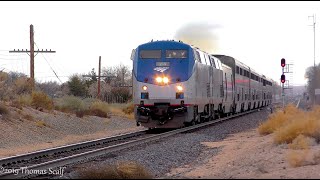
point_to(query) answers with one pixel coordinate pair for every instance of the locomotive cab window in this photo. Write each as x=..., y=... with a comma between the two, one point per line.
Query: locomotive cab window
x=176, y=54
x=150, y=54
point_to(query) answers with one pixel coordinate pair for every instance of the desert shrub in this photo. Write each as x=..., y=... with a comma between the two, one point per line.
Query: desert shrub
x=99, y=108
x=3, y=109
x=302, y=142
x=128, y=109
x=41, y=100
x=297, y=158
x=69, y=104
x=308, y=126
x=279, y=119
x=80, y=113
x=22, y=85
x=22, y=100
x=41, y=123
x=122, y=170
x=28, y=117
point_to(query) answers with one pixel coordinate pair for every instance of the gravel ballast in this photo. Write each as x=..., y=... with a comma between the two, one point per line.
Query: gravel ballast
x=176, y=151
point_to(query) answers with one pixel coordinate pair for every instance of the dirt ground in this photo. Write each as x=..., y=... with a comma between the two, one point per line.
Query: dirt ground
x=29, y=130
x=249, y=155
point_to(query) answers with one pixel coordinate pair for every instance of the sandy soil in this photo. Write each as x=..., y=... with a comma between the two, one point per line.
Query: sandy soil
x=249, y=155
x=29, y=130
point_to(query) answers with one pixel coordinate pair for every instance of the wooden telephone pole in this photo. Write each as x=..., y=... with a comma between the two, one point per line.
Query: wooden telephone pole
x=32, y=51
x=99, y=76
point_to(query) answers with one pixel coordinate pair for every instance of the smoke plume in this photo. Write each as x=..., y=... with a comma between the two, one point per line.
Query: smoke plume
x=199, y=35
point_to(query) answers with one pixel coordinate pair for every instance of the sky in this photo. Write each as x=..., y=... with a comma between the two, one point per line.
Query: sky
x=256, y=33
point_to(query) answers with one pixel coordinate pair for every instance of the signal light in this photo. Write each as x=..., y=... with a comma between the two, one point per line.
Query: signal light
x=283, y=62
x=283, y=78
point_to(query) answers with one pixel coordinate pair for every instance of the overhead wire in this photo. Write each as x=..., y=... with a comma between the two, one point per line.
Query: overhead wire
x=49, y=64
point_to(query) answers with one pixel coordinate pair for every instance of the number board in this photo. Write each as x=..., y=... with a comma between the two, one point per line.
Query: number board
x=162, y=64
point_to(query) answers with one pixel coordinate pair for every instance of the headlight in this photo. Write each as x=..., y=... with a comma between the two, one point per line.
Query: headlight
x=180, y=88
x=165, y=80
x=159, y=79
x=144, y=88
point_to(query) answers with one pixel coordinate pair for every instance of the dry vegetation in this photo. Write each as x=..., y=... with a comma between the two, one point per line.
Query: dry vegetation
x=299, y=129
x=122, y=170
x=3, y=109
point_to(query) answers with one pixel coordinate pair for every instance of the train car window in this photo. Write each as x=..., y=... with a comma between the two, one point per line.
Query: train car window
x=213, y=64
x=209, y=59
x=237, y=70
x=197, y=56
x=205, y=59
x=150, y=54
x=225, y=76
x=176, y=54
x=240, y=71
x=242, y=94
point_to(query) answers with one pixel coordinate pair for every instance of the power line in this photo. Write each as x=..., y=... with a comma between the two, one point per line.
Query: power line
x=49, y=64
x=32, y=51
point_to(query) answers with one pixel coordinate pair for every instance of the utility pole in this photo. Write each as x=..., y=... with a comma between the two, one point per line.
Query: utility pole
x=32, y=51
x=314, y=54
x=99, y=76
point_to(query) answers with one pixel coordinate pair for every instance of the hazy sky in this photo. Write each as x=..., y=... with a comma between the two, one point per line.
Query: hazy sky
x=257, y=33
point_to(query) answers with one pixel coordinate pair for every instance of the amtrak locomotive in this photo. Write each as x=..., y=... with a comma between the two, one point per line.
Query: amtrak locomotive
x=176, y=85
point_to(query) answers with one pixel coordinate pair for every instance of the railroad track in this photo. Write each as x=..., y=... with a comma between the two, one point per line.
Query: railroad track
x=45, y=160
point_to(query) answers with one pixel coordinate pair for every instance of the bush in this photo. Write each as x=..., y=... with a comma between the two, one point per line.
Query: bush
x=128, y=109
x=3, y=110
x=302, y=142
x=69, y=104
x=99, y=108
x=41, y=100
x=22, y=100
x=22, y=85
x=123, y=170
x=279, y=119
x=41, y=123
x=287, y=125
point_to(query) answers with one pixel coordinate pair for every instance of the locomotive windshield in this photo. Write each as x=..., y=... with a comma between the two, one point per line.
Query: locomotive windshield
x=176, y=53
x=150, y=54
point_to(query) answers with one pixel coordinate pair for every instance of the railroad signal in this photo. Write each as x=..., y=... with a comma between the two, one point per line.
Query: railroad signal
x=283, y=78
x=283, y=62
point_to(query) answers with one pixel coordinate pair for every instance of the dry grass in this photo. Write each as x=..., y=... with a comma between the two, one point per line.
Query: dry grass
x=290, y=123
x=99, y=108
x=27, y=117
x=122, y=170
x=297, y=158
x=279, y=119
x=41, y=100
x=122, y=110
x=25, y=100
x=41, y=123
x=297, y=128
x=302, y=142
x=128, y=109
x=3, y=109
x=69, y=104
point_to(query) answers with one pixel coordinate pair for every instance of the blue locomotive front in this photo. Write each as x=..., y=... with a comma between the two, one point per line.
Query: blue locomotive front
x=161, y=92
